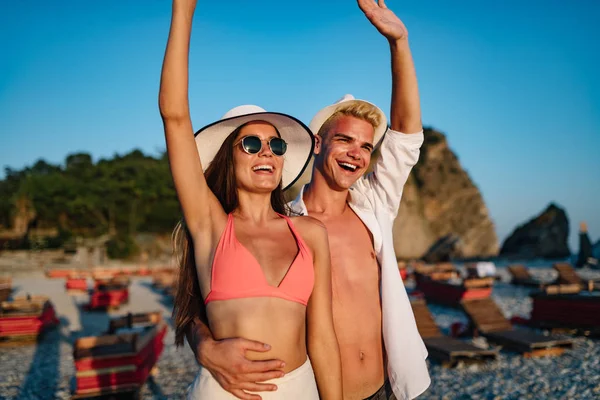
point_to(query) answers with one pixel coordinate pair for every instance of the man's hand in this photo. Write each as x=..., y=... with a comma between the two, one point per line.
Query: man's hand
x=227, y=362
x=386, y=22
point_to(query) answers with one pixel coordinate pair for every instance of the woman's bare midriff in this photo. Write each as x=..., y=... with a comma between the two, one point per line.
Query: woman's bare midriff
x=272, y=320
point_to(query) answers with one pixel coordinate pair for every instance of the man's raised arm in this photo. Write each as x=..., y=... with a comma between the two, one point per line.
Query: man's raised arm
x=405, y=113
x=400, y=148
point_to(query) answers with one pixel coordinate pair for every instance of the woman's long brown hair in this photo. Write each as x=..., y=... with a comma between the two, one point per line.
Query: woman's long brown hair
x=220, y=177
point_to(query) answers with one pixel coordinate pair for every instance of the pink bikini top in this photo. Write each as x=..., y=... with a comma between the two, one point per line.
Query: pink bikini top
x=237, y=274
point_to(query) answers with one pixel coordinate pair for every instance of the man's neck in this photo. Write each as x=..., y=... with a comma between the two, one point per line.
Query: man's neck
x=320, y=198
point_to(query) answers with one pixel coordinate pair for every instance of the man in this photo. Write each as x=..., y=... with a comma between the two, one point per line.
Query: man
x=373, y=319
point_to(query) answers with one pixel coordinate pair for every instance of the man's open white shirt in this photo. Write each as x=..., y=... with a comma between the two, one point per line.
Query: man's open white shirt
x=375, y=198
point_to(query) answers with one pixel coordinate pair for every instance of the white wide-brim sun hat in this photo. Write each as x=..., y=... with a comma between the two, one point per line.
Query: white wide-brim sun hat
x=299, y=139
x=323, y=115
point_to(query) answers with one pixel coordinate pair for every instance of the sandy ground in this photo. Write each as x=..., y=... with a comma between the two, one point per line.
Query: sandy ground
x=45, y=370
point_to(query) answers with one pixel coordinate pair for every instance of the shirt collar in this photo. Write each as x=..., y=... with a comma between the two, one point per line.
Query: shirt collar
x=297, y=205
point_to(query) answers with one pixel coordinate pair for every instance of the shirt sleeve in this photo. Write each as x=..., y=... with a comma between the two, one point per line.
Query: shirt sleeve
x=399, y=152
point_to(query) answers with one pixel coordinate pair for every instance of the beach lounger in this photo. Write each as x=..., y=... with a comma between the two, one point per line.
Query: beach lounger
x=487, y=319
x=119, y=362
x=568, y=275
x=109, y=294
x=521, y=276
x=452, y=291
x=448, y=351
x=566, y=307
x=26, y=318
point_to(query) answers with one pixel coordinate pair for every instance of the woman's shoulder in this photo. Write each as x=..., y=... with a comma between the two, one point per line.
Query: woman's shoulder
x=308, y=223
x=311, y=229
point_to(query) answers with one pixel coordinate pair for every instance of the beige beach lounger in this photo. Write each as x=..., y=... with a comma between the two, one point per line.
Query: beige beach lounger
x=488, y=320
x=448, y=351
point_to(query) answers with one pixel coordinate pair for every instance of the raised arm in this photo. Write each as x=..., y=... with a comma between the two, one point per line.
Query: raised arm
x=322, y=345
x=197, y=201
x=400, y=148
x=406, y=107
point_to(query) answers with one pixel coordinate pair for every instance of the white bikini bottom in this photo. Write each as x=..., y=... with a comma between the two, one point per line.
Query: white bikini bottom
x=299, y=384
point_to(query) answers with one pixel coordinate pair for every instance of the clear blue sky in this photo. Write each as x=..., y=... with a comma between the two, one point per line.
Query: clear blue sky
x=514, y=84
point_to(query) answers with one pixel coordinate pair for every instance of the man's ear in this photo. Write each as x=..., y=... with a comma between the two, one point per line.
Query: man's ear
x=318, y=143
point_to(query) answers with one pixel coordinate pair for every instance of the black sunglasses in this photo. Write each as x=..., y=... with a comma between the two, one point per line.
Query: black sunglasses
x=253, y=144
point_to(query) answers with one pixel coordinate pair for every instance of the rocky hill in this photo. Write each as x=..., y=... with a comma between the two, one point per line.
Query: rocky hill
x=544, y=236
x=440, y=199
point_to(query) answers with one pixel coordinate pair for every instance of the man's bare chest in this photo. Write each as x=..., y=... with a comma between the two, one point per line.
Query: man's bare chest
x=351, y=246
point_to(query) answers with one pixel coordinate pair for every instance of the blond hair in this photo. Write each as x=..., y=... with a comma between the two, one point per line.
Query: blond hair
x=360, y=110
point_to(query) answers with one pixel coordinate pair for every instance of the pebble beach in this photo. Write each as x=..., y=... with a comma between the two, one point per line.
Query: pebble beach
x=45, y=370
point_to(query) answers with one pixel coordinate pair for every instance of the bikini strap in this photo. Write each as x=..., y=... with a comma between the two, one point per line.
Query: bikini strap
x=229, y=233
x=301, y=243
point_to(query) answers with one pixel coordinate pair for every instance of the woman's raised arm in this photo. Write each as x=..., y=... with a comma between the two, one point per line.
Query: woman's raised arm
x=198, y=203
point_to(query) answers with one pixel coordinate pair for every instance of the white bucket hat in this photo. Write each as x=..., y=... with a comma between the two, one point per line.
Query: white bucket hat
x=323, y=115
x=300, y=141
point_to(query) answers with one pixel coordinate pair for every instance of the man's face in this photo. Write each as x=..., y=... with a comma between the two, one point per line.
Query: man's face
x=344, y=152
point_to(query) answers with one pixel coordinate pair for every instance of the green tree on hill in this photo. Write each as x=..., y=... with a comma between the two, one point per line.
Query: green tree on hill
x=120, y=196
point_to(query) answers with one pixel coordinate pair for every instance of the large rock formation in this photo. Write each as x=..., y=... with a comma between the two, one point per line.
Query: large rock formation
x=441, y=199
x=544, y=236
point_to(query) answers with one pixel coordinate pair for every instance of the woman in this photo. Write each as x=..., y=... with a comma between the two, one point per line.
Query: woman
x=262, y=275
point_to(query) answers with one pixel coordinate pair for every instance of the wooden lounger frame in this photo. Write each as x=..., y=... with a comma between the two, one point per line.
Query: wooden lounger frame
x=448, y=351
x=568, y=275
x=119, y=390
x=521, y=276
x=488, y=320
x=24, y=306
x=428, y=269
x=134, y=319
x=471, y=283
x=122, y=343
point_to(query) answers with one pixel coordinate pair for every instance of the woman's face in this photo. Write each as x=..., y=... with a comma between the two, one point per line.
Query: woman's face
x=260, y=172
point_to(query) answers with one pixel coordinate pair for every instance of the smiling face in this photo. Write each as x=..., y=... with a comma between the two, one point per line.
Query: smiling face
x=260, y=172
x=343, y=152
